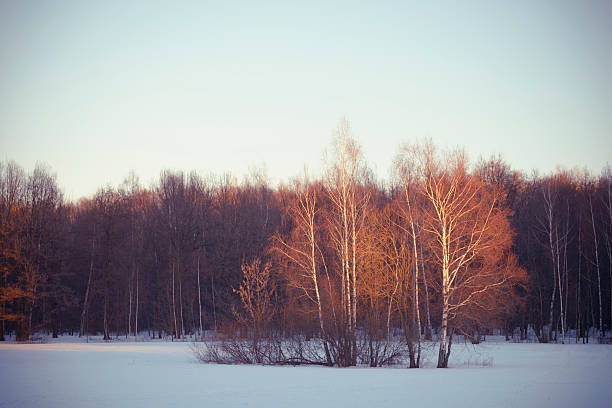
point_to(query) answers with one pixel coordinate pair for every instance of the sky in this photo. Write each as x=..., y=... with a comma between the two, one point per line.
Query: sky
x=98, y=89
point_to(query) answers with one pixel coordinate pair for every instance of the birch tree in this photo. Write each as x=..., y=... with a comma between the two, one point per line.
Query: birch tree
x=302, y=250
x=595, y=261
x=551, y=230
x=606, y=193
x=411, y=225
x=469, y=226
x=345, y=221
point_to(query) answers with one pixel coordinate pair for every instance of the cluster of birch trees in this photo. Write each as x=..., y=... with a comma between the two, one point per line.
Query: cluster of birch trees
x=434, y=247
x=445, y=247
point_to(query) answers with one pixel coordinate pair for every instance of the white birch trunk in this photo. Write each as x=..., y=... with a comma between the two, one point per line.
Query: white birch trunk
x=560, y=287
x=549, y=217
x=601, y=332
x=416, y=292
x=442, y=361
x=609, y=241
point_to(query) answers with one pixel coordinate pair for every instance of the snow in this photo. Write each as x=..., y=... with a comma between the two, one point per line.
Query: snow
x=163, y=374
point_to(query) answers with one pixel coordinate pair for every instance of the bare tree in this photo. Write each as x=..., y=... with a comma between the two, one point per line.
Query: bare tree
x=468, y=223
x=412, y=228
x=596, y=263
x=348, y=207
x=551, y=229
x=606, y=188
x=256, y=293
x=302, y=250
x=89, y=283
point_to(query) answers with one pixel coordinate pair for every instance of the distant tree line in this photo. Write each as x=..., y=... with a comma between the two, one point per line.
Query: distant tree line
x=444, y=247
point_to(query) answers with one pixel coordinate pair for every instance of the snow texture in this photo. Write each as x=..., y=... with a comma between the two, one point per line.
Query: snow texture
x=160, y=374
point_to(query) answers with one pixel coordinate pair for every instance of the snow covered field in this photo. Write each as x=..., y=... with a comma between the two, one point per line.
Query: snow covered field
x=159, y=374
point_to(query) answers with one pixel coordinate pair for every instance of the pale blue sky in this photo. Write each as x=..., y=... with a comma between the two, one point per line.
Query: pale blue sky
x=97, y=89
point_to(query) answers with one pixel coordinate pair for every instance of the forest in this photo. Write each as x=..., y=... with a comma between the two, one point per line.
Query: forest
x=445, y=247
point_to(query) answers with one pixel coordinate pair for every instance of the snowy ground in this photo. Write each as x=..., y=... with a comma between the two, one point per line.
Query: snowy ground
x=159, y=374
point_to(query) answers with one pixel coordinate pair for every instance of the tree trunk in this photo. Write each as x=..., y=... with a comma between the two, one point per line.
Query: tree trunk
x=548, y=200
x=565, y=273
x=181, y=306
x=200, y=300
x=136, y=315
x=609, y=244
x=428, y=332
x=130, y=295
x=86, y=300
x=176, y=331
x=354, y=277
x=601, y=331
x=442, y=354
x=578, y=321
x=417, y=313
x=558, y=262
x=552, y=305
x=316, y=287
x=442, y=361
x=212, y=293
x=609, y=247
x=549, y=216
x=106, y=304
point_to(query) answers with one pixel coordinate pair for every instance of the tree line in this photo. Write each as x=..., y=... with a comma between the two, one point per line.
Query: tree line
x=444, y=247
